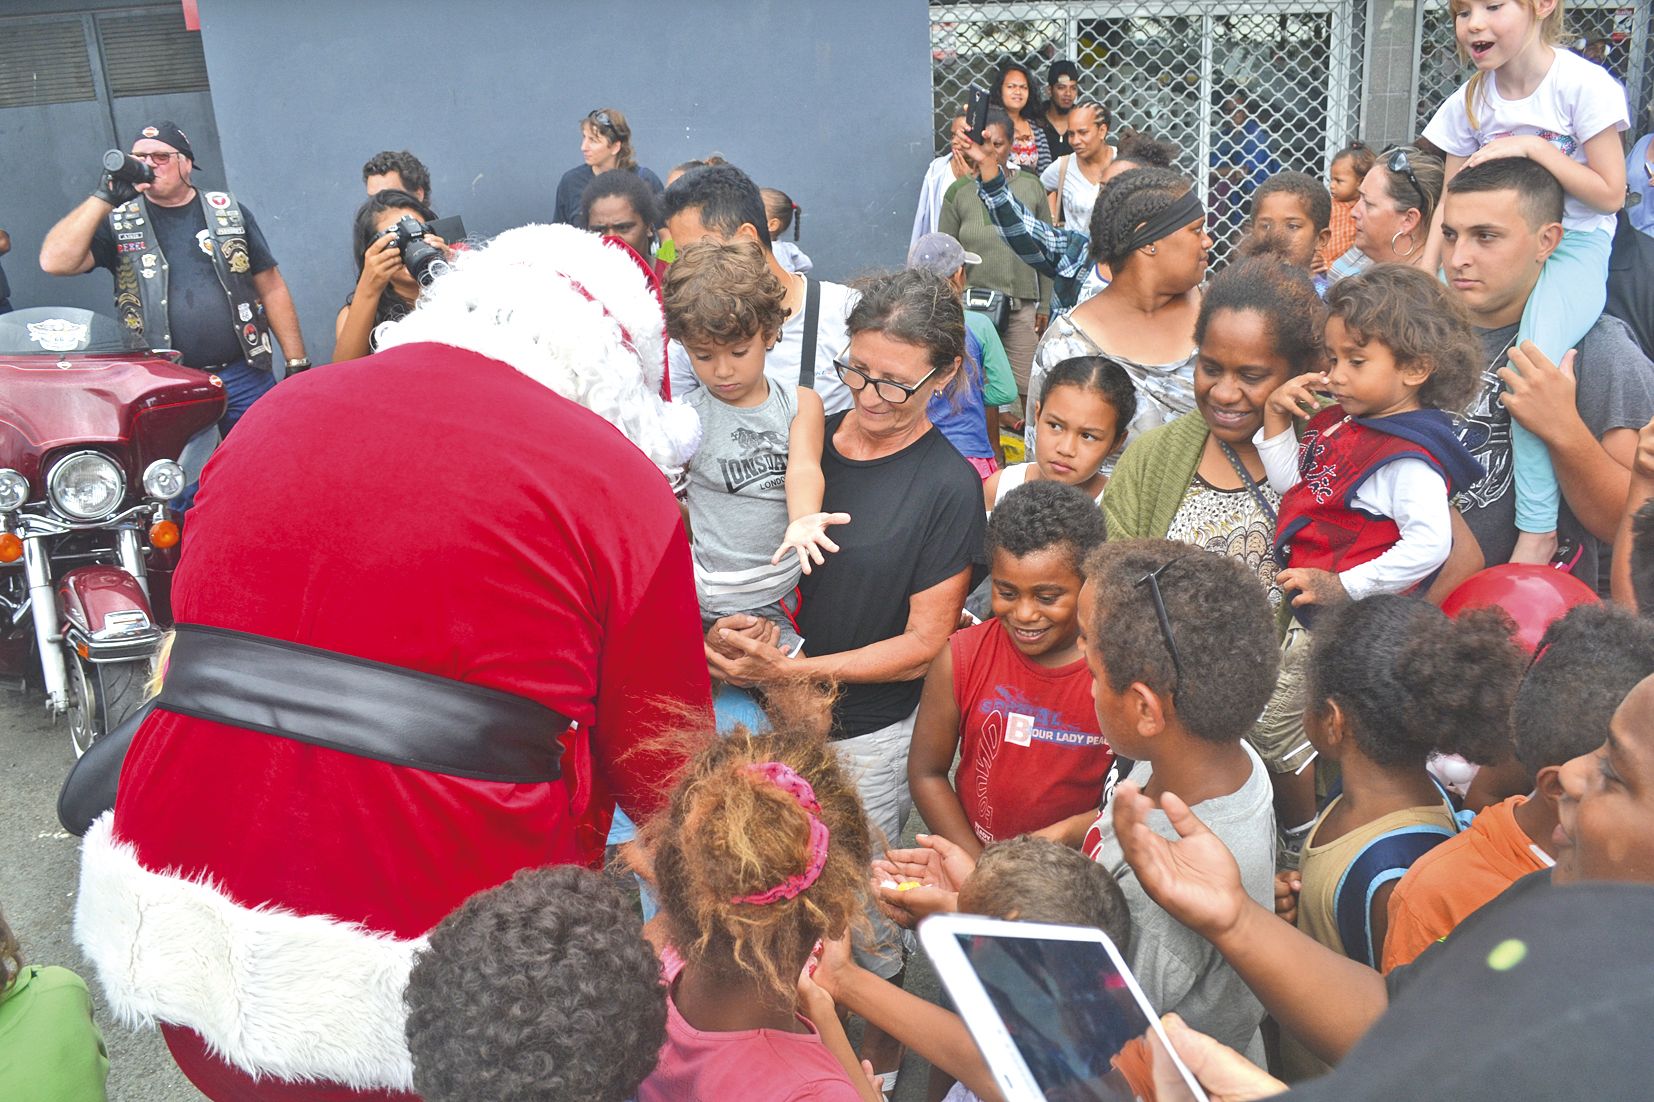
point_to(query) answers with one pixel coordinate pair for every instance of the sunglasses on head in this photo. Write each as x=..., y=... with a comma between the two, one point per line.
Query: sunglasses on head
x=1152, y=580
x=601, y=119
x=1398, y=162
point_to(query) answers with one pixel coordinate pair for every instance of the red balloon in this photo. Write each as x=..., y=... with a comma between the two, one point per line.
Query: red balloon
x=1533, y=596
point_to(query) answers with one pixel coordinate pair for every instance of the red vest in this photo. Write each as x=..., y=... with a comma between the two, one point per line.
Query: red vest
x=1319, y=527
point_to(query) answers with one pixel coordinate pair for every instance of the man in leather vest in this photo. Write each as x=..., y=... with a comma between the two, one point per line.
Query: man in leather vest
x=192, y=270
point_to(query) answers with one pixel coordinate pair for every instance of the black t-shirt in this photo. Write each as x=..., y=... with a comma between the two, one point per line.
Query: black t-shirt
x=203, y=323
x=572, y=187
x=916, y=520
x=1631, y=282
x=1057, y=137
x=1545, y=992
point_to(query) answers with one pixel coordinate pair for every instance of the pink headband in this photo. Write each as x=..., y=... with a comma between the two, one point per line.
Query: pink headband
x=786, y=779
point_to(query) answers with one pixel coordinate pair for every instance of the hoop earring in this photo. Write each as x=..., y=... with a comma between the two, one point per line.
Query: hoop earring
x=1412, y=243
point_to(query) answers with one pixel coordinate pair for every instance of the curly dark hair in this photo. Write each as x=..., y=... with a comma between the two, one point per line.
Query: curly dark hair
x=1642, y=559
x=542, y=987
x=415, y=176
x=1042, y=514
x=1312, y=193
x=1129, y=200
x=1101, y=375
x=1282, y=294
x=1033, y=879
x=727, y=834
x=623, y=185
x=1588, y=661
x=1361, y=155
x=1220, y=621
x=1414, y=316
x=723, y=293
x=1409, y=681
x=1143, y=149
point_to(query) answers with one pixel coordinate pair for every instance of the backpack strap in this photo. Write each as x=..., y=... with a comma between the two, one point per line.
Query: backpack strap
x=812, y=318
x=1381, y=861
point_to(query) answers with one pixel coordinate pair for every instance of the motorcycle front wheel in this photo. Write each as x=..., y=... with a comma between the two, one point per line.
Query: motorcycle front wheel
x=102, y=694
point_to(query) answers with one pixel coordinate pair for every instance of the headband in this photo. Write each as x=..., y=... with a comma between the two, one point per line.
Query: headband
x=786, y=779
x=1179, y=213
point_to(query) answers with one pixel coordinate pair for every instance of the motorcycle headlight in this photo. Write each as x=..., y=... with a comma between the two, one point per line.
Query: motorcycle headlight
x=14, y=490
x=164, y=479
x=86, y=486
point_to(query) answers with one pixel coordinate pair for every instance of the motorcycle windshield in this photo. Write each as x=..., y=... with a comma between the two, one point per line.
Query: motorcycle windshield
x=40, y=330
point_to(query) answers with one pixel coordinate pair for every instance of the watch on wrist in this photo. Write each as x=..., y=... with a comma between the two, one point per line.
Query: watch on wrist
x=300, y=364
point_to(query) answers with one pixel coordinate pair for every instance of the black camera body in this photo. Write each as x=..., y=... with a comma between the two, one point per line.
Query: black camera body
x=124, y=166
x=423, y=260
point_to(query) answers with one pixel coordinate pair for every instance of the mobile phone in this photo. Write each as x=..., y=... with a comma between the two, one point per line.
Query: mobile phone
x=1054, y=1009
x=976, y=116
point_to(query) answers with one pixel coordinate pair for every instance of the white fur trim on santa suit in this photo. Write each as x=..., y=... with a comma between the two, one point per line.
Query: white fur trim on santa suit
x=574, y=315
x=276, y=994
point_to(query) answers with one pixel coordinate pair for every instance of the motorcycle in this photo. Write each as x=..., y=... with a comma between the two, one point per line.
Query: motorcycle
x=90, y=438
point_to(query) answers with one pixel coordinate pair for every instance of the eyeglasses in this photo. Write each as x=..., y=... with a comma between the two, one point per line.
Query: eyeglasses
x=889, y=389
x=601, y=118
x=1398, y=162
x=155, y=158
x=1152, y=580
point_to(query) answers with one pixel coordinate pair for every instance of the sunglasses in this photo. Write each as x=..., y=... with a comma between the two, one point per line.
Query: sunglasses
x=1152, y=580
x=889, y=389
x=601, y=118
x=1398, y=162
x=155, y=158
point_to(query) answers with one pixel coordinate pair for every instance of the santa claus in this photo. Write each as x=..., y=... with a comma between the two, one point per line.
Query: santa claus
x=430, y=611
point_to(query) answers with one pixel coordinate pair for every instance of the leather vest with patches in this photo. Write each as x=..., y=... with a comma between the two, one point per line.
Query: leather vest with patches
x=141, y=275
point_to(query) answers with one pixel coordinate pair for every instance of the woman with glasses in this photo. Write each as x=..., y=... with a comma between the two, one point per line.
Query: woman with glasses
x=605, y=145
x=877, y=612
x=1392, y=213
x=1022, y=294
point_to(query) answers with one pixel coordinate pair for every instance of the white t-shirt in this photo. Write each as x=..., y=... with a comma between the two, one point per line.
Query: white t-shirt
x=1079, y=195
x=1576, y=101
x=781, y=362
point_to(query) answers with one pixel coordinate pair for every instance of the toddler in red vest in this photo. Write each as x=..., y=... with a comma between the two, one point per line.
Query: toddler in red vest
x=1364, y=493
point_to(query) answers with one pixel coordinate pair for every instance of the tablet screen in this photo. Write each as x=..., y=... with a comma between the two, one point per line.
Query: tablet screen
x=1068, y=1009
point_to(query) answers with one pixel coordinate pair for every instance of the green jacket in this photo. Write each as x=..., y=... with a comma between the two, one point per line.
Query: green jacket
x=1151, y=480
x=966, y=217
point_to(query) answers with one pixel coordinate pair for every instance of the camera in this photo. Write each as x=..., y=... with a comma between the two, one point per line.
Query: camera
x=124, y=166
x=423, y=260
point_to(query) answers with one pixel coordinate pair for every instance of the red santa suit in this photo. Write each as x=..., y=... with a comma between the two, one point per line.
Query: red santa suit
x=440, y=511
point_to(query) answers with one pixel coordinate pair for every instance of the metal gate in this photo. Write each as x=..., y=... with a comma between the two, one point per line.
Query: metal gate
x=1179, y=69
x=1619, y=29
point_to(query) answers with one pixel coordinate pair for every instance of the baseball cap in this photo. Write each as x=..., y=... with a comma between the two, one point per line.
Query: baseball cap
x=940, y=254
x=166, y=132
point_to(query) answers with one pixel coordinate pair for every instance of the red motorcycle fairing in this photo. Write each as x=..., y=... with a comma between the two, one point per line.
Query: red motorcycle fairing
x=88, y=595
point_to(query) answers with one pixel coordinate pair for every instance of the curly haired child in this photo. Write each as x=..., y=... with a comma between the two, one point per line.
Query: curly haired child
x=755, y=485
x=762, y=852
x=1012, y=696
x=1390, y=681
x=542, y=987
x=1364, y=495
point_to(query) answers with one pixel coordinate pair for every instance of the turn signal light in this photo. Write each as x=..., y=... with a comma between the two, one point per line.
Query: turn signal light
x=163, y=534
x=11, y=548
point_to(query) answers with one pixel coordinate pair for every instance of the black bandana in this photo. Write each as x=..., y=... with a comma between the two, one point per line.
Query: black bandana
x=1183, y=210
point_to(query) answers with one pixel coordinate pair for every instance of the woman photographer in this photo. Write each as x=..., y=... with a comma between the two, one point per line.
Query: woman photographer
x=385, y=289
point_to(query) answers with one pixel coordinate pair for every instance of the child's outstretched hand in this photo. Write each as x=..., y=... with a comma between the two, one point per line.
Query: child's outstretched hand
x=808, y=537
x=1294, y=398
x=1314, y=587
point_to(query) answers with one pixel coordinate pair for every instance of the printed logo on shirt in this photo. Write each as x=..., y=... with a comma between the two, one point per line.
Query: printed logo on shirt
x=763, y=461
x=1027, y=723
x=1565, y=142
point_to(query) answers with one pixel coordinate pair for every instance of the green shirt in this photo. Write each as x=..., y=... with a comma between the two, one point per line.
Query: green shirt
x=50, y=1048
x=999, y=385
x=966, y=218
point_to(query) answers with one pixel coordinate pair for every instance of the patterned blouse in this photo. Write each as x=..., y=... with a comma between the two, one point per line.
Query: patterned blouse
x=1231, y=523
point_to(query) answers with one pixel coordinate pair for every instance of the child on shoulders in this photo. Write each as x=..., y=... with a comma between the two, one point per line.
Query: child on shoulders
x=1364, y=495
x=1012, y=695
x=755, y=485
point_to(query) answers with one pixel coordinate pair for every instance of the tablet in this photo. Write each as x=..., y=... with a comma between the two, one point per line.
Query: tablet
x=1054, y=1009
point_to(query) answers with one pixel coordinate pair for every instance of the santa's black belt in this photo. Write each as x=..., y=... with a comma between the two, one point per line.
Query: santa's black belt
x=361, y=707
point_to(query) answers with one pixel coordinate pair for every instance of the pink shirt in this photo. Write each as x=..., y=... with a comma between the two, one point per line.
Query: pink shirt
x=748, y=1065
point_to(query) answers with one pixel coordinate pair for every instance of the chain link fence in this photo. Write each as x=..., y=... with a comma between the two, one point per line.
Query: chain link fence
x=1244, y=91
x=1616, y=32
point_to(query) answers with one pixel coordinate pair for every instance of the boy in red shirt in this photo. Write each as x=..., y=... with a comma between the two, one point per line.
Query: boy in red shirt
x=1587, y=662
x=1012, y=695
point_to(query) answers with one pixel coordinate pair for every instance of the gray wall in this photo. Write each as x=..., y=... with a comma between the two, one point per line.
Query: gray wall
x=828, y=101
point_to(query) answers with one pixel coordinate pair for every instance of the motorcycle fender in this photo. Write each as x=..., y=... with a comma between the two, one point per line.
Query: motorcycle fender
x=89, y=596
